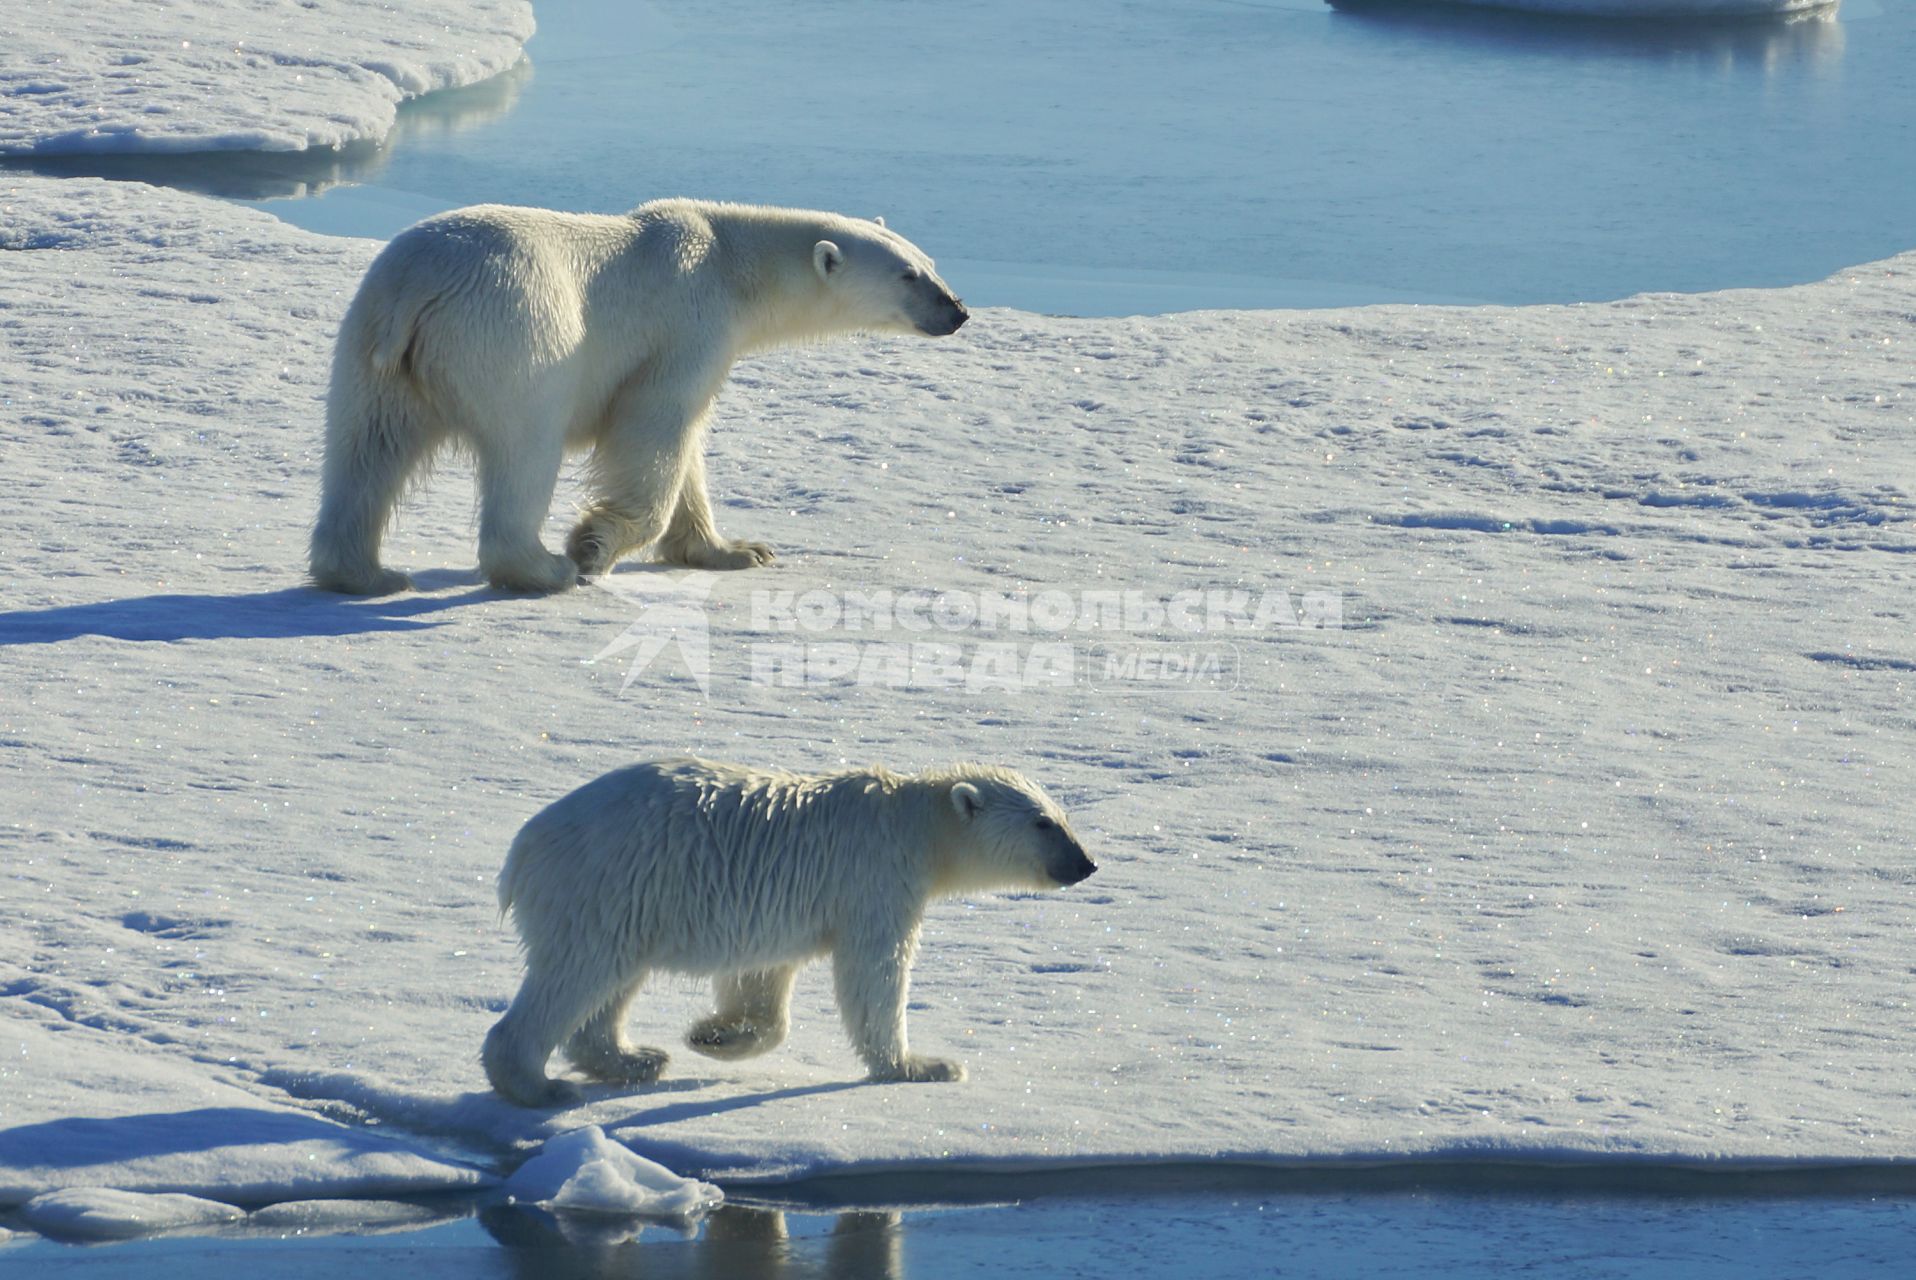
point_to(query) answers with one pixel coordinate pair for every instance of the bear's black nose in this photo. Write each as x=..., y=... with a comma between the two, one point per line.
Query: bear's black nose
x=959, y=314
x=1080, y=869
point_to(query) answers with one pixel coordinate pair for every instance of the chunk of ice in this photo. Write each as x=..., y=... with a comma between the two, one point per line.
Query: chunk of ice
x=583, y=1171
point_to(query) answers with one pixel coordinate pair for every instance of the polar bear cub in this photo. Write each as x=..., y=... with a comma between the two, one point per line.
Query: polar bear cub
x=694, y=867
x=521, y=335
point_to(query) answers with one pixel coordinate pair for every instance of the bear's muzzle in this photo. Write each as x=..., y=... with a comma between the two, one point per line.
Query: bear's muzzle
x=1078, y=867
x=949, y=316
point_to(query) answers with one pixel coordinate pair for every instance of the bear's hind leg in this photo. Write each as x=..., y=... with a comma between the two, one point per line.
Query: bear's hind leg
x=552, y=1004
x=516, y=1068
x=372, y=449
x=754, y=1013
x=600, y=1049
x=515, y=495
x=692, y=538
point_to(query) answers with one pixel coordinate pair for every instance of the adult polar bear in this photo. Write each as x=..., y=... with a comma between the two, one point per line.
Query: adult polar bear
x=521, y=334
x=693, y=867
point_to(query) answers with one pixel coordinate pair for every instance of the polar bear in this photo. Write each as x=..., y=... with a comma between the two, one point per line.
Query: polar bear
x=693, y=867
x=523, y=334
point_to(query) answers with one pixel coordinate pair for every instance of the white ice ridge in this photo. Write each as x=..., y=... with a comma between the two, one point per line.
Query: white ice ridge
x=1677, y=9
x=583, y=1171
x=1585, y=836
x=235, y=75
x=101, y=1213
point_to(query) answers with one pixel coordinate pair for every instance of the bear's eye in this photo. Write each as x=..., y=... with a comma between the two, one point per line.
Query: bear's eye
x=912, y=274
x=1046, y=824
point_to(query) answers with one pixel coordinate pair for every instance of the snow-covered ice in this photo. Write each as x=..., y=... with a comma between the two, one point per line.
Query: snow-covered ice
x=120, y=1111
x=101, y=1213
x=232, y=75
x=1584, y=837
x=584, y=1171
x=1690, y=10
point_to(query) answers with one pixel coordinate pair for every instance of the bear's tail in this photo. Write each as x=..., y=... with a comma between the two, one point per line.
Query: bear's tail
x=379, y=427
x=511, y=875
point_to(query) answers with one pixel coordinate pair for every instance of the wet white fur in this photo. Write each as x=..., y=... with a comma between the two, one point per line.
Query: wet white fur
x=701, y=868
x=524, y=334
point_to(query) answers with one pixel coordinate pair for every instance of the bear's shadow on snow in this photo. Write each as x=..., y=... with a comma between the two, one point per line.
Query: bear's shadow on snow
x=263, y=615
x=673, y=1112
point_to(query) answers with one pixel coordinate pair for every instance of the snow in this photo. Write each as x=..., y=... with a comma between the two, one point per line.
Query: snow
x=583, y=1171
x=90, y=1107
x=227, y=75
x=97, y=1214
x=1580, y=839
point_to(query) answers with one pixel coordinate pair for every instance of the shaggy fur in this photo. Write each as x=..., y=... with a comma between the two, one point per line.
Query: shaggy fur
x=711, y=869
x=522, y=334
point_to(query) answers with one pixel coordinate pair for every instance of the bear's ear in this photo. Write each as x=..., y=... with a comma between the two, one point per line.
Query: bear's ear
x=826, y=258
x=965, y=799
x=879, y=219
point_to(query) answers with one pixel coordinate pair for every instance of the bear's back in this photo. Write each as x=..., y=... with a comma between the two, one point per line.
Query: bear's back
x=712, y=861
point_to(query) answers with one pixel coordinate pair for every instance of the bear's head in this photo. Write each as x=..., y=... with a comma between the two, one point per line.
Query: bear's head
x=1007, y=831
x=884, y=282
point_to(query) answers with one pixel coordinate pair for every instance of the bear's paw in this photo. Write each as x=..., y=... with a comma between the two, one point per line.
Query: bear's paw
x=734, y=553
x=726, y=1039
x=623, y=1066
x=542, y=574
x=920, y=1070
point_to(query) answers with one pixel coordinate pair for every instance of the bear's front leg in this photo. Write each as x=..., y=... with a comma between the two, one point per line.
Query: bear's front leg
x=643, y=464
x=692, y=539
x=753, y=1014
x=873, y=973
